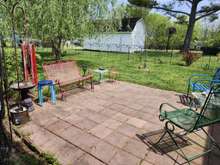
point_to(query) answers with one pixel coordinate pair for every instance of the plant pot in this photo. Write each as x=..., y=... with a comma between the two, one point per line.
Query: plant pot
x=19, y=115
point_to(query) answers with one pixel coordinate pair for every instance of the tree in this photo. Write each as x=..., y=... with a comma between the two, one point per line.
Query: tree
x=56, y=21
x=10, y=12
x=196, y=13
x=156, y=36
x=211, y=37
x=3, y=22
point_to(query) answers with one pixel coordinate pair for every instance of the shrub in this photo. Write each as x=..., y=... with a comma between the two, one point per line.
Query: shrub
x=190, y=57
x=51, y=160
x=210, y=50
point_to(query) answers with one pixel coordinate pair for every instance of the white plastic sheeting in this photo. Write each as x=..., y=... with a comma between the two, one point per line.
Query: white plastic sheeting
x=127, y=42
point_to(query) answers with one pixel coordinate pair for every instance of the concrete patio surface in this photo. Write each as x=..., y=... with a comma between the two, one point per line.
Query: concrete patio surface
x=100, y=127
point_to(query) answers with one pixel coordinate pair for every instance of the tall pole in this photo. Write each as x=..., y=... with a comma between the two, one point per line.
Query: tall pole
x=14, y=7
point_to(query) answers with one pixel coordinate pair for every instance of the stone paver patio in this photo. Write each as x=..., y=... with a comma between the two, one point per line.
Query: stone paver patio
x=100, y=127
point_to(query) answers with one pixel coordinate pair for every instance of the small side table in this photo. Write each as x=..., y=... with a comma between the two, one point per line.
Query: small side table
x=49, y=83
x=101, y=73
x=24, y=90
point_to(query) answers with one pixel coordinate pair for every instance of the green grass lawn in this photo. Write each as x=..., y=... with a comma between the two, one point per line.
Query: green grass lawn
x=161, y=72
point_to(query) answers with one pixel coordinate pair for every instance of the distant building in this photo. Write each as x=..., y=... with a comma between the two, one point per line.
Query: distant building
x=129, y=38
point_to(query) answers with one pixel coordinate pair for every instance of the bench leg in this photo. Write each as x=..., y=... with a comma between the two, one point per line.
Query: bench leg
x=61, y=91
x=92, y=84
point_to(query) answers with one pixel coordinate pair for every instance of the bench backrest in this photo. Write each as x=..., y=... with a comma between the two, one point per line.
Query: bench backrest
x=63, y=71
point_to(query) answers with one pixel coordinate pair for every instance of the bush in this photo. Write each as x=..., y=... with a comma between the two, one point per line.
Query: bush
x=190, y=57
x=210, y=50
x=51, y=160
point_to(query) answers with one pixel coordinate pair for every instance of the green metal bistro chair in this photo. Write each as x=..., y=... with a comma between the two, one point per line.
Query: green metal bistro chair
x=190, y=121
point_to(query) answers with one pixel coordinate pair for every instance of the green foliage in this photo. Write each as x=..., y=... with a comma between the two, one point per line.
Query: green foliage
x=143, y=3
x=23, y=158
x=157, y=26
x=11, y=63
x=4, y=26
x=51, y=160
x=132, y=11
x=59, y=20
x=29, y=159
x=54, y=21
x=212, y=37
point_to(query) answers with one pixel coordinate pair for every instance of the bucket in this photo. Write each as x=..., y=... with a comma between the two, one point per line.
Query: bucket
x=19, y=115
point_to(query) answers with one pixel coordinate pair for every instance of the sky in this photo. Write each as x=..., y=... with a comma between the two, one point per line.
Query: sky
x=204, y=2
x=183, y=7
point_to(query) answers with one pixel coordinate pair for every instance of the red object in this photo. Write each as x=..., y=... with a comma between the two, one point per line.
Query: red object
x=29, y=62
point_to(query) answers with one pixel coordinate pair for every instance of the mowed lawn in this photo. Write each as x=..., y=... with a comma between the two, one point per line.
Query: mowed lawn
x=162, y=71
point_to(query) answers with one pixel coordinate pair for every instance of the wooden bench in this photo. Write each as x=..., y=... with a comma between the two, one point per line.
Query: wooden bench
x=64, y=73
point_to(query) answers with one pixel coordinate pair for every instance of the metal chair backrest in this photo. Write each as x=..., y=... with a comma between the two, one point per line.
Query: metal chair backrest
x=217, y=74
x=64, y=71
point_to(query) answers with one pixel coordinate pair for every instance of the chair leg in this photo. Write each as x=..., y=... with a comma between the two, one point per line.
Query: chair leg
x=171, y=133
x=92, y=84
x=61, y=91
x=177, y=145
x=161, y=138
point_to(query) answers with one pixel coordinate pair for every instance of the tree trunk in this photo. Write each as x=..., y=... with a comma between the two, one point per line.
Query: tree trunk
x=190, y=28
x=168, y=43
x=56, y=48
x=2, y=110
